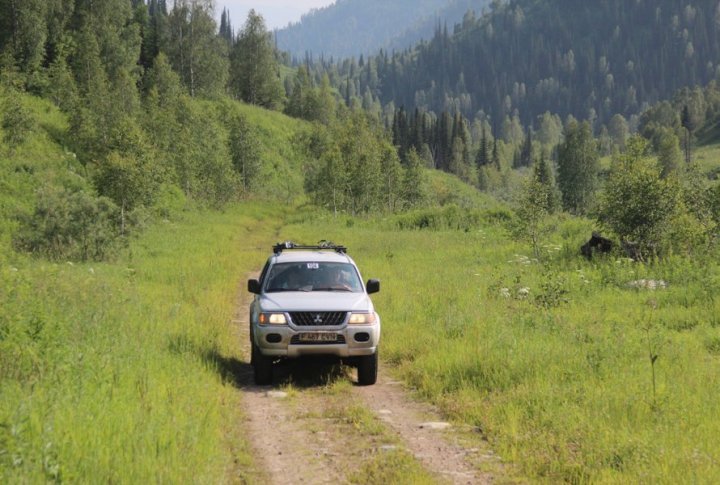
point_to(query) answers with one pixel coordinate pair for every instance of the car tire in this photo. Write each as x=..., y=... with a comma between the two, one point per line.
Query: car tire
x=262, y=367
x=367, y=368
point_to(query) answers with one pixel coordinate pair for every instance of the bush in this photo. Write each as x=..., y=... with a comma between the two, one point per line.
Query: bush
x=639, y=205
x=74, y=225
x=17, y=122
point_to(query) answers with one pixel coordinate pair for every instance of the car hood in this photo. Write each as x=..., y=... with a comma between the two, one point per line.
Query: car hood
x=300, y=301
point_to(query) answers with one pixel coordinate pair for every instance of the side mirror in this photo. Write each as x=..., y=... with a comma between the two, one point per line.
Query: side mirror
x=373, y=286
x=254, y=286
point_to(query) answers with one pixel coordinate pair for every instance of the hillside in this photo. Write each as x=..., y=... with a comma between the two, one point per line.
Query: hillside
x=44, y=168
x=586, y=59
x=350, y=28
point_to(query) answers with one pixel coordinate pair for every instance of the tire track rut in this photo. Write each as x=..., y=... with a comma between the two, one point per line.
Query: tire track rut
x=296, y=442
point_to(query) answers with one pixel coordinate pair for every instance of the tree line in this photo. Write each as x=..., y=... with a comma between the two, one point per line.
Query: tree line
x=591, y=60
x=147, y=90
x=131, y=75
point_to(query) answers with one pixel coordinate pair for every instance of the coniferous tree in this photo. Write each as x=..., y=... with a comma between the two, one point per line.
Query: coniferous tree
x=23, y=32
x=156, y=32
x=544, y=175
x=61, y=88
x=526, y=154
x=301, y=101
x=254, y=69
x=483, y=157
x=496, y=155
x=226, y=30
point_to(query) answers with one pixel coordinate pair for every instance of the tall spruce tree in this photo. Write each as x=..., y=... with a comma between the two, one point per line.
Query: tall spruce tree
x=253, y=66
x=301, y=101
x=526, y=153
x=483, y=157
x=544, y=175
x=226, y=29
x=156, y=32
x=23, y=32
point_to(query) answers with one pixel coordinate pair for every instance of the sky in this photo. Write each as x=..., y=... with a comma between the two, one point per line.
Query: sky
x=277, y=13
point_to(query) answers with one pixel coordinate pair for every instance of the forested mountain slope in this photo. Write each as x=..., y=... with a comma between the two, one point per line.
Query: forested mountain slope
x=589, y=59
x=353, y=27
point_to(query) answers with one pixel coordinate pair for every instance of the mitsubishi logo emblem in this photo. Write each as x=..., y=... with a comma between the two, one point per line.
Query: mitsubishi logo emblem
x=318, y=319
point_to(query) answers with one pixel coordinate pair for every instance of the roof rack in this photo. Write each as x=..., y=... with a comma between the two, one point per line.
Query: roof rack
x=327, y=245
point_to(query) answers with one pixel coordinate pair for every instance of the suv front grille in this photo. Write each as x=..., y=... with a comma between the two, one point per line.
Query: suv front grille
x=318, y=319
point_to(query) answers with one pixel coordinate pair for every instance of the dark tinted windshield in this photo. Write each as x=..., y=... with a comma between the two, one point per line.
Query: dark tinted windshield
x=310, y=276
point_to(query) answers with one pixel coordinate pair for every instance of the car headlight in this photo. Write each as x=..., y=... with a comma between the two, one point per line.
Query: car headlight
x=272, y=319
x=361, y=318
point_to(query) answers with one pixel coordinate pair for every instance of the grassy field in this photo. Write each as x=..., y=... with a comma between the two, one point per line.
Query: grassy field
x=118, y=371
x=113, y=372
x=554, y=359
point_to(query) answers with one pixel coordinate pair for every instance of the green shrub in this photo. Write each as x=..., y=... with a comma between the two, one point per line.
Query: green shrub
x=639, y=205
x=17, y=122
x=74, y=225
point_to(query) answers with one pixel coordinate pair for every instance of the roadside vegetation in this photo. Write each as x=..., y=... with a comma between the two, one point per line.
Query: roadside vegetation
x=118, y=372
x=576, y=370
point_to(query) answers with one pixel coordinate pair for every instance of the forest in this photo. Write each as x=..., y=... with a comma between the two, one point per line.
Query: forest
x=349, y=28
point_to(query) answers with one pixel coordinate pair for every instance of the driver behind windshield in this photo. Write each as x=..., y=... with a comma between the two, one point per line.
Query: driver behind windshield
x=312, y=277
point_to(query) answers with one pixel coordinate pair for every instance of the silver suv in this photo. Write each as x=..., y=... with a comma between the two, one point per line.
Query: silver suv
x=310, y=300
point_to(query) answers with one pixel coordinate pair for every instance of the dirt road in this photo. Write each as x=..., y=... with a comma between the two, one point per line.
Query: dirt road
x=314, y=425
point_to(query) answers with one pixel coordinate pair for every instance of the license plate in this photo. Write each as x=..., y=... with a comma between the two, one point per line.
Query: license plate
x=318, y=337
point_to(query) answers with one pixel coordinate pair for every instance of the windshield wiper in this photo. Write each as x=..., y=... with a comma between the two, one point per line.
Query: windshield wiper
x=331, y=289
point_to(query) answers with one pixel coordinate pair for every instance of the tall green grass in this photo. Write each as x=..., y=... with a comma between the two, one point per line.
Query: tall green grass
x=124, y=372
x=551, y=359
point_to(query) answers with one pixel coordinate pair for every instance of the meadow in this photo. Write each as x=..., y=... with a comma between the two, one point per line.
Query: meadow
x=567, y=369
x=117, y=371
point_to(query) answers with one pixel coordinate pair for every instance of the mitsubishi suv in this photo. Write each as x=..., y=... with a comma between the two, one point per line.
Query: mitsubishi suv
x=310, y=300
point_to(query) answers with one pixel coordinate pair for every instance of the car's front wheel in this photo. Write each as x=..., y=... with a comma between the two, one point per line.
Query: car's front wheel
x=262, y=367
x=367, y=367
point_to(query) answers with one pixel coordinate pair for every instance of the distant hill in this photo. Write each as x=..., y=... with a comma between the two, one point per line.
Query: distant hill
x=588, y=59
x=353, y=27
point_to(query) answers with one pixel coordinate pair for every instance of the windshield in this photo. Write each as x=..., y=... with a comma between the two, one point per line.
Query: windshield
x=311, y=276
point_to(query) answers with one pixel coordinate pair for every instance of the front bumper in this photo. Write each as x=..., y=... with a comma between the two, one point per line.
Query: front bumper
x=284, y=340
